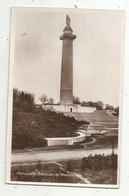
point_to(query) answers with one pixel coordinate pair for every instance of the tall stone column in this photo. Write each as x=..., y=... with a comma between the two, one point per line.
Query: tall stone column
x=66, y=88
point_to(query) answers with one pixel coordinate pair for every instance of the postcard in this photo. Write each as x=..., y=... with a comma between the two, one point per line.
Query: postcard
x=65, y=97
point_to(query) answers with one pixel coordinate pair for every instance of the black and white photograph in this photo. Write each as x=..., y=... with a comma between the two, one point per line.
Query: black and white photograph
x=65, y=97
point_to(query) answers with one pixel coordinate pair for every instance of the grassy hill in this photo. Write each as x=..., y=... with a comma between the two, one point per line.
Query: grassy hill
x=30, y=129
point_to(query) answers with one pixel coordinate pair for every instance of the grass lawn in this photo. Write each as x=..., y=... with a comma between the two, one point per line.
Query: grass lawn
x=30, y=129
x=103, y=141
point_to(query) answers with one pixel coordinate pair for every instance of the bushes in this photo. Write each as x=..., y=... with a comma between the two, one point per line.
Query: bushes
x=99, y=162
x=69, y=166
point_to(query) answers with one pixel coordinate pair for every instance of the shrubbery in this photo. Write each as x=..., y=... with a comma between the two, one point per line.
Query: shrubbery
x=99, y=162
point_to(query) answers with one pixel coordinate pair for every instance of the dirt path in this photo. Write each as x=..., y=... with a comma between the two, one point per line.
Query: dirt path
x=55, y=156
x=83, y=179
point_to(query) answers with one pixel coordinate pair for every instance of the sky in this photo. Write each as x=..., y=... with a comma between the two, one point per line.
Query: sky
x=97, y=52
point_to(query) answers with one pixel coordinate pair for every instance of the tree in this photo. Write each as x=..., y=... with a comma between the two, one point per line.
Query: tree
x=16, y=94
x=85, y=163
x=117, y=111
x=51, y=100
x=43, y=98
x=84, y=103
x=23, y=100
x=108, y=107
x=76, y=100
x=101, y=104
x=69, y=166
x=113, y=160
x=87, y=104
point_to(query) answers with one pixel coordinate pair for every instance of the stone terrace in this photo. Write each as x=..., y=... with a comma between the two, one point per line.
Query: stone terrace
x=99, y=116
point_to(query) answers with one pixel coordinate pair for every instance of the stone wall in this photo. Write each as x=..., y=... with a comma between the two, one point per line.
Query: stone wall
x=69, y=108
x=67, y=140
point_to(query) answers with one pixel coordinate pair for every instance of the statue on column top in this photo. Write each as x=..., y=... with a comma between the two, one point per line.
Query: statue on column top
x=68, y=20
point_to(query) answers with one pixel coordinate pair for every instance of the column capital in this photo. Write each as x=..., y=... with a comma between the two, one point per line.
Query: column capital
x=68, y=36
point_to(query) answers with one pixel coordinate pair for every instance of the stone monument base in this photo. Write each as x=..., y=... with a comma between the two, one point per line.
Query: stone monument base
x=69, y=108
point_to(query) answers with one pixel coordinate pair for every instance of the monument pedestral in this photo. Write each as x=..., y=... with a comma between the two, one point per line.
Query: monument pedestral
x=69, y=108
